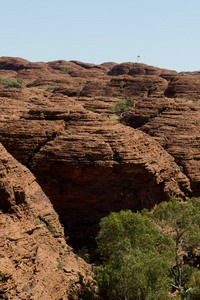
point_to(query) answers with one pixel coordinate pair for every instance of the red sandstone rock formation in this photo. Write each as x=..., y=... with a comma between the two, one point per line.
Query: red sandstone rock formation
x=174, y=123
x=12, y=63
x=87, y=164
x=62, y=125
x=133, y=69
x=35, y=261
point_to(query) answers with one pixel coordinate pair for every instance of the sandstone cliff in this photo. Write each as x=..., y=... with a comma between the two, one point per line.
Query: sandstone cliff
x=59, y=120
x=35, y=261
x=174, y=123
x=61, y=124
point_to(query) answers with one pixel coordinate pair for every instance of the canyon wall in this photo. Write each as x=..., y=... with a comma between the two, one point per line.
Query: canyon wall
x=35, y=261
x=62, y=124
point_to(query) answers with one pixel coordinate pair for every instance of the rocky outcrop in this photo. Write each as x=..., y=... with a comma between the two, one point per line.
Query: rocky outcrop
x=92, y=169
x=35, y=261
x=87, y=164
x=12, y=63
x=62, y=125
x=174, y=123
x=184, y=86
x=133, y=69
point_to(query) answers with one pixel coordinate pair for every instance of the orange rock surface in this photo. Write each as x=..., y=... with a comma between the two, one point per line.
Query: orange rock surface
x=35, y=261
x=59, y=120
x=61, y=124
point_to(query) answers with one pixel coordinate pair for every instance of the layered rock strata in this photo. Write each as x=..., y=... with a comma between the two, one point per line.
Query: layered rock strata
x=174, y=123
x=62, y=125
x=35, y=261
x=87, y=164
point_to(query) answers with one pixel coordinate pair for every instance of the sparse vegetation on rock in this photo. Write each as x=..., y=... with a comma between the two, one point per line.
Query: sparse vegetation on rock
x=11, y=83
x=123, y=105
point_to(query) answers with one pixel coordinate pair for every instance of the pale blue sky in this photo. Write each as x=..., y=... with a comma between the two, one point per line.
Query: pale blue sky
x=165, y=33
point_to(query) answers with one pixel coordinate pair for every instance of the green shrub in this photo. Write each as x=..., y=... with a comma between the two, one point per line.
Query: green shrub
x=90, y=108
x=12, y=83
x=122, y=106
x=65, y=70
x=50, y=88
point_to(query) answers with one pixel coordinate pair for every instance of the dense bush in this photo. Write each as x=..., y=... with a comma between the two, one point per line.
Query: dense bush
x=11, y=83
x=151, y=255
x=122, y=106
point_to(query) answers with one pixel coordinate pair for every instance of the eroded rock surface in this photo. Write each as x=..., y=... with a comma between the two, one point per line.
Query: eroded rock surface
x=174, y=123
x=35, y=261
x=62, y=125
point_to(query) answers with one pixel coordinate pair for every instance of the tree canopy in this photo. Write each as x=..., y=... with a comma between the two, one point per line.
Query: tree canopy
x=151, y=255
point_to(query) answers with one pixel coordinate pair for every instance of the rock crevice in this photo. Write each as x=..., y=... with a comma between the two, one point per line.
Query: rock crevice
x=32, y=245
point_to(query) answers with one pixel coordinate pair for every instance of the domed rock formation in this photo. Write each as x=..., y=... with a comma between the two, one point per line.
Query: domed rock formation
x=62, y=125
x=174, y=124
x=87, y=164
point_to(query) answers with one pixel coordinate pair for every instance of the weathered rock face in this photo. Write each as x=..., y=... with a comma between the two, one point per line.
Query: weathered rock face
x=174, y=123
x=12, y=63
x=35, y=261
x=184, y=86
x=132, y=69
x=93, y=169
x=86, y=164
x=62, y=125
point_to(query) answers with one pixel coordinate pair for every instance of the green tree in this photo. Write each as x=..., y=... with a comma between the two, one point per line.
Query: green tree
x=151, y=255
x=133, y=267
x=181, y=220
x=122, y=106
